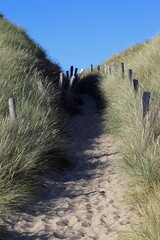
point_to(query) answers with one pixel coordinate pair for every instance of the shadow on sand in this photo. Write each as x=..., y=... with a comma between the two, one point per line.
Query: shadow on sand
x=84, y=132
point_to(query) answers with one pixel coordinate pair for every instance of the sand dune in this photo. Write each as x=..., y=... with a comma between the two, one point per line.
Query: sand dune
x=86, y=202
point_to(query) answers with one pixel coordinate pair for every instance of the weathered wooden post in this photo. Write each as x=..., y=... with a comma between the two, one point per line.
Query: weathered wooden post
x=41, y=87
x=130, y=73
x=145, y=103
x=114, y=68
x=72, y=92
x=107, y=70
x=61, y=80
x=122, y=69
x=71, y=71
x=135, y=85
x=98, y=68
x=75, y=93
x=91, y=68
x=76, y=71
x=12, y=108
x=70, y=85
x=67, y=74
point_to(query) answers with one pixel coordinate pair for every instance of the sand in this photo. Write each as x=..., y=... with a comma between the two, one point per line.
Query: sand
x=86, y=201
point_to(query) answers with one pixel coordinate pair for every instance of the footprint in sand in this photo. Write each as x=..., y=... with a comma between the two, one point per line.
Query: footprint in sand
x=101, y=208
x=72, y=220
x=108, y=220
x=85, y=224
x=62, y=223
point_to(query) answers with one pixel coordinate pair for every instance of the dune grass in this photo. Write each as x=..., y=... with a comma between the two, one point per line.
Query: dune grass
x=139, y=139
x=148, y=227
x=37, y=140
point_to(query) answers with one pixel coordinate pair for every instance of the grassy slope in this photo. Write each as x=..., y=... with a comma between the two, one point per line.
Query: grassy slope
x=36, y=141
x=140, y=140
x=139, y=148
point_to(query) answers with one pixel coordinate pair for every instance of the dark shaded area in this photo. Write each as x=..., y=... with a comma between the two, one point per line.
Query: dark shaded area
x=90, y=85
x=11, y=235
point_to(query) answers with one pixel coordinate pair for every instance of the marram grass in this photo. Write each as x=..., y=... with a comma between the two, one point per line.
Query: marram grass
x=148, y=228
x=139, y=139
x=37, y=140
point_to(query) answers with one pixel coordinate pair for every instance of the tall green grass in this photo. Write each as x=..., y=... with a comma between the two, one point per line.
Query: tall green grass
x=139, y=139
x=37, y=140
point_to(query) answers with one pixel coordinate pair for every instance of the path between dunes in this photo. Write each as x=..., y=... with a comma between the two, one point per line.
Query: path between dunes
x=86, y=202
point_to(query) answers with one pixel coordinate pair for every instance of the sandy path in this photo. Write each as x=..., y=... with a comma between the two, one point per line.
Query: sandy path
x=84, y=203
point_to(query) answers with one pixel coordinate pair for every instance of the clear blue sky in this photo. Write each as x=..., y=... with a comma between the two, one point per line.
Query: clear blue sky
x=84, y=32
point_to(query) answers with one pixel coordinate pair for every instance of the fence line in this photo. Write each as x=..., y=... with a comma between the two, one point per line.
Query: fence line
x=67, y=91
x=112, y=69
x=70, y=91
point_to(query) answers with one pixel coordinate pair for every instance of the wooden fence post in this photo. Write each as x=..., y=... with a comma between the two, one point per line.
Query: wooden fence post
x=107, y=70
x=70, y=84
x=67, y=74
x=130, y=73
x=145, y=103
x=122, y=69
x=114, y=68
x=61, y=79
x=71, y=71
x=135, y=85
x=75, y=72
x=12, y=108
x=41, y=87
x=91, y=68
